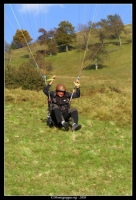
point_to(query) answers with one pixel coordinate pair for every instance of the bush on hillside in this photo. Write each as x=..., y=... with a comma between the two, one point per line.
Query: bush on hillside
x=26, y=77
x=10, y=76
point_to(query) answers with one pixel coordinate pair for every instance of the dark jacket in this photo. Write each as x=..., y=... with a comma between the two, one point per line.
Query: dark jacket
x=60, y=101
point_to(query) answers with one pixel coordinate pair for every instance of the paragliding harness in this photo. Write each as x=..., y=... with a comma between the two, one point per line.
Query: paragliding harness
x=51, y=102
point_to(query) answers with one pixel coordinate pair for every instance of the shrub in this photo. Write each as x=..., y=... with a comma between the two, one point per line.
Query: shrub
x=10, y=76
x=26, y=77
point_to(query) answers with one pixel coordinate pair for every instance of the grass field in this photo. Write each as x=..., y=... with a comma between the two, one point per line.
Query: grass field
x=94, y=161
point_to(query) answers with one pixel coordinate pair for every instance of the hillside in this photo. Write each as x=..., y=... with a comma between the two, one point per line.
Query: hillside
x=68, y=65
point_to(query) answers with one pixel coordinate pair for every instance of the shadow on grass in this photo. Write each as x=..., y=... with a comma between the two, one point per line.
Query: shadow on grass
x=116, y=43
x=63, y=48
x=93, y=67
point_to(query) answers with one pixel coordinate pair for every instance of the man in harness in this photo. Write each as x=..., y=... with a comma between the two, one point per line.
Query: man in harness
x=59, y=106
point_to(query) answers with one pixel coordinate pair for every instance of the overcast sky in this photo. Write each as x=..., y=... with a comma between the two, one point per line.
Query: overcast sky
x=31, y=17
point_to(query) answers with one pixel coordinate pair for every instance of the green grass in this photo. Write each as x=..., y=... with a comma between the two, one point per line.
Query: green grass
x=41, y=161
x=94, y=161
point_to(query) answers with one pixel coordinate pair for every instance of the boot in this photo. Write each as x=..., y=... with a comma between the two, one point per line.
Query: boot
x=65, y=125
x=76, y=127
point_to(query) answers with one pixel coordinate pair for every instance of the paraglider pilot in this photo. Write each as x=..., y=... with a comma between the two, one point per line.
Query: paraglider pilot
x=61, y=111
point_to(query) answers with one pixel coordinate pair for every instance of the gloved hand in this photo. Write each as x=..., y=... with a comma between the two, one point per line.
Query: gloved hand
x=77, y=84
x=51, y=80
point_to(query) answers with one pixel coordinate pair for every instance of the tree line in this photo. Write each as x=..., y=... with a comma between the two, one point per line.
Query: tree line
x=65, y=34
x=63, y=37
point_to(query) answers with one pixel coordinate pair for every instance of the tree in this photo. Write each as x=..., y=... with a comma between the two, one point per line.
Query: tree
x=52, y=47
x=43, y=37
x=48, y=38
x=51, y=42
x=65, y=34
x=51, y=33
x=21, y=38
x=99, y=29
x=115, y=26
x=84, y=30
x=97, y=54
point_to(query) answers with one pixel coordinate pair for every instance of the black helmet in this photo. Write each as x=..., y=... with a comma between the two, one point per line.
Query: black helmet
x=61, y=87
